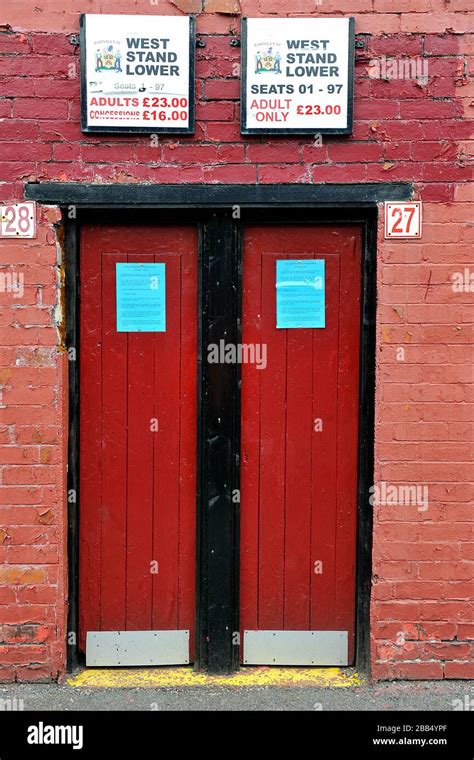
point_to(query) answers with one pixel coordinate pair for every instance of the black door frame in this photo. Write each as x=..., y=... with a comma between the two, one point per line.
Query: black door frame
x=221, y=211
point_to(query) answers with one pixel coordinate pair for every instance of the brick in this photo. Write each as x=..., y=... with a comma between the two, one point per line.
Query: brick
x=108, y=153
x=222, y=6
x=350, y=152
x=466, y=631
x=214, y=111
x=66, y=152
x=51, y=44
x=7, y=596
x=464, y=193
x=36, y=673
x=11, y=44
x=18, y=129
x=16, y=170
x=396, y=44
x=27, y=475
x=441, y=44
x=56, y=131
x=282, y=173
x=34, y=65
x=428, y=108
x=459, y=670
x=437, y=172
x=230, y=154
x=442, y=150
x=446, y=130
x=340, y=173
x=273, y=152
x=419, y=670
x=20, y=655
x=5, y=108
x=222, y=89
x=21, y=575
x=435, y=22
x=189, y=154
x=32, y=554
x=222, y=132
x=39, y=108
x=436, y=192
x=365, y=108
x=206, y=24
x=36, y=435
x=39, y=595
x=400, y=89
x=40, y=87
x=387, y=23
x=231, y=173
x=314, y=153
x=7, y=674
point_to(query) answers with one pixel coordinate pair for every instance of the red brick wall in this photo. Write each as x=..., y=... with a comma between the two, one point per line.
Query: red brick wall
x=422, y=608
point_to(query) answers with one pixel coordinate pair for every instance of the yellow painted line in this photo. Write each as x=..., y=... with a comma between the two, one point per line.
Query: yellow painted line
x=104, y=678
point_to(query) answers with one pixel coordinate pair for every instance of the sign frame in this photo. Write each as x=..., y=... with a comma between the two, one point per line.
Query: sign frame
x=127, y=130
x=31, y=233
x=389, y=233
x=244, y=130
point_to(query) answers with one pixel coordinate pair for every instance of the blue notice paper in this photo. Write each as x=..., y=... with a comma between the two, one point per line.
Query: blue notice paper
x=300, y=293
x=141, y=297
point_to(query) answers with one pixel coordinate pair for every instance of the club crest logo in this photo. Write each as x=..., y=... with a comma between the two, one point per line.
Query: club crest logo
x=267, y=59
x=107, y=56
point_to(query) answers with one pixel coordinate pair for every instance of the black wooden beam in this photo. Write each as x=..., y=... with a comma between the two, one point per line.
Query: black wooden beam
x=218, y=513
x=202, y=196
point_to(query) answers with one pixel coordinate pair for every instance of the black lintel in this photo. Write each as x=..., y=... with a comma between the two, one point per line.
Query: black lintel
x=201, y=195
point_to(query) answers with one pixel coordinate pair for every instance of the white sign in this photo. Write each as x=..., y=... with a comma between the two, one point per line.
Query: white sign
x=402, y=220
x=18, y=220
x=137, y=73
x=298, y=75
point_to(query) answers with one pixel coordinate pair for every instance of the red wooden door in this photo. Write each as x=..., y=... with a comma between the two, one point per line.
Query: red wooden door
x=137, y=440
x=300, y=449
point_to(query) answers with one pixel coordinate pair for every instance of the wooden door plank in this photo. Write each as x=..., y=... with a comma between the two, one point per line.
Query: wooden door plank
x=272, y=457
x=114, y=454
x=347, y=442
x=188, y=425
x=140, y=475
x=166, y=449
x=324, y=452
x=298, y=474
x=250, y=435
x=90, y=520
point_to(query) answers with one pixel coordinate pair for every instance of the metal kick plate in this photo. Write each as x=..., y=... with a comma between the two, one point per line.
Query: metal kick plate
x=123, y=648
x=296, y=648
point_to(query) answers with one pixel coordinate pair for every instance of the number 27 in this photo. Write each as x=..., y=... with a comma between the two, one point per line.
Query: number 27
x=399, y=214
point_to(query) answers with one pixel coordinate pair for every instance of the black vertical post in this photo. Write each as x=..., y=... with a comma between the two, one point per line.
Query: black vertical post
x=366, y=442
x=218, y=511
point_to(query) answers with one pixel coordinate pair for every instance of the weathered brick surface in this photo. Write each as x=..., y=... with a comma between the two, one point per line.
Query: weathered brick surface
x=422, y=609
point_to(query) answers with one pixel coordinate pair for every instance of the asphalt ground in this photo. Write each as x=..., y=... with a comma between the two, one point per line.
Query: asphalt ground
x=356, y=695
